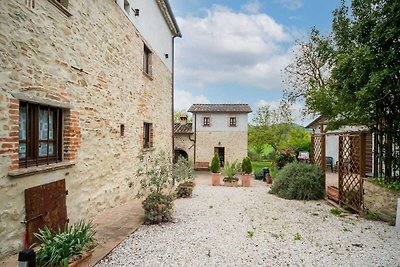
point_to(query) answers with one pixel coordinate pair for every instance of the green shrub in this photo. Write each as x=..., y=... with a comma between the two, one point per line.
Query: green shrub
x=183, y=170
x=158, y=208
x=395, y=185
x=253, y=155
x=299, y=181
x=58, y=248
x=215, y=165
x=185, y=189
x=157, y=176
x=246, y=165
x=285, y=156
x=258, y=175
x=270, y=156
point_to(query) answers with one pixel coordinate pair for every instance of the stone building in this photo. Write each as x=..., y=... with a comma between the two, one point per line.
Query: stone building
x=85, y=86
x=216, y=128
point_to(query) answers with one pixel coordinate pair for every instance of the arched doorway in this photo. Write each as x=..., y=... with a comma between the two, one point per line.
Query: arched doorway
x=180, y=152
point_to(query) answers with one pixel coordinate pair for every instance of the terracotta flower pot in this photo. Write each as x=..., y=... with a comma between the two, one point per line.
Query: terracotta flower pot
x=215, y=179
x=246, y=178
x=333, y=193
x=231, y=182
x=83, y=261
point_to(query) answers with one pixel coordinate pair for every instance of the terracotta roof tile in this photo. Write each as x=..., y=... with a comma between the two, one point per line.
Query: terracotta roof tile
x=221, y=108
x=183, y=128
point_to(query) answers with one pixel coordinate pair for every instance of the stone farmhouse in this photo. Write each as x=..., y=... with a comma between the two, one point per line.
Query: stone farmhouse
x=85, y=87
x=216, y=128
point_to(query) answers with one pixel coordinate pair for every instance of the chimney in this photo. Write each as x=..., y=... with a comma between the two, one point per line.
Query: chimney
x=183, y=119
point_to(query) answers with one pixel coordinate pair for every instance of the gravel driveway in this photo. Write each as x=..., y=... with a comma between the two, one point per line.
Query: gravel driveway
x=223, y=226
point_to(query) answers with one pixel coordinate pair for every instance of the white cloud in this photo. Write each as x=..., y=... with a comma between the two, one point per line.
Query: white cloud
x=252, y=7
x=231, y=47
x=184, y=99
x=290, y=4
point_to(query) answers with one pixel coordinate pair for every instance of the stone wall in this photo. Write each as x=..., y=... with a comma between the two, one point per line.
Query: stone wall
x=91, y=61
x=381, y=200
x=182, y=141
x=235, y=144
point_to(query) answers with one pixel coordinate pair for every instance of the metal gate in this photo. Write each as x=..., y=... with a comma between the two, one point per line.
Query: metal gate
x=351, y=170
x=45, y=205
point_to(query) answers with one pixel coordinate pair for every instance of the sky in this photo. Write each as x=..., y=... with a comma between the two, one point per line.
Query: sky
x=233, y=51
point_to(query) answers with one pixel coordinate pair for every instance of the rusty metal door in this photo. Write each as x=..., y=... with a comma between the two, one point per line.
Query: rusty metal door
x=351, y=170
x=45, y=205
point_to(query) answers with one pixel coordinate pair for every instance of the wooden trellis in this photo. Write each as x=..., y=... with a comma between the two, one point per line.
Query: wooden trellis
x=351, y=170
x=317, y=152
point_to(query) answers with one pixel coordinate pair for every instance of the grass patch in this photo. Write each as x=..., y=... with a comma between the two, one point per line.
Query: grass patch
x=336, y=211
x=250, y=234
x=258, y=165
x=297, y=236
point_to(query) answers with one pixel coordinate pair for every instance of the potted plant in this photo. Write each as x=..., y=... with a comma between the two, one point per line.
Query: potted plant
x=71, y=247
x=215, y=168
x=229, y=171
x=333, y=193
x=157, y=176
x=183, y=171
x=247, y=168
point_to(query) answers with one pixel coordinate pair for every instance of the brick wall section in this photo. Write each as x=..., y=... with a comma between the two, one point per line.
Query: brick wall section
x=72, y=135
x=9, y=139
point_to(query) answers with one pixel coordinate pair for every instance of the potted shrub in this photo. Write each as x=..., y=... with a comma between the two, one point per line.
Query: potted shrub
x=183, y=170
x=157, y=176
x=215, y=168
x=247, y=168
x=71, y=247
x=229, y=171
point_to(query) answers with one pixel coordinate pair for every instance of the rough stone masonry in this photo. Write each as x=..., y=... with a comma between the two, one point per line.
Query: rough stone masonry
x=89, y=63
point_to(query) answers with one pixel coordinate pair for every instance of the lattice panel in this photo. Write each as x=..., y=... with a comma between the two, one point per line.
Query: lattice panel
x=350, y=183
x=317, y=153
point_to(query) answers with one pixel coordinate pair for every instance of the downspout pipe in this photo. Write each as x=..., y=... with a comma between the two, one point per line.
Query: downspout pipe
x=173, y=90
x=178, y=31
x=177, y=34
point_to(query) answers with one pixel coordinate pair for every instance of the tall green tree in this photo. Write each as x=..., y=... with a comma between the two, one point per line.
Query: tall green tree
x=362, y=85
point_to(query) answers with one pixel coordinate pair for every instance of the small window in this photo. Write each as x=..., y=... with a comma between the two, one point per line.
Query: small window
x=40, y=134
x=147, y=135
x=122, y=130
x=147, y=60
x=127, y=6
x=232, y=122
x=206, y=121
x=62, y=5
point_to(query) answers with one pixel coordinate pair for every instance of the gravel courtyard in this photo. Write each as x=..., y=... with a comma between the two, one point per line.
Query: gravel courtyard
x=223, y=226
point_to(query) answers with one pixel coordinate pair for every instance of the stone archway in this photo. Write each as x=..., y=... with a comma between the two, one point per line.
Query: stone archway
x=180, y=152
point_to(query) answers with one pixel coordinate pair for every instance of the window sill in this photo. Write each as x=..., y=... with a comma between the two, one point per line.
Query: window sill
x=39, y=169
x=148, y=149
x=148, y=76
x=61, y=8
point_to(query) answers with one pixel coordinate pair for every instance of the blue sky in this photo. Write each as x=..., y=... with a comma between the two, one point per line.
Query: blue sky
x=234, y=51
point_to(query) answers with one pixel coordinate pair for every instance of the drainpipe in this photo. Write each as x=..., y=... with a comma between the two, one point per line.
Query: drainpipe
x=173, y=79
x=195, y=122
x=177, y=34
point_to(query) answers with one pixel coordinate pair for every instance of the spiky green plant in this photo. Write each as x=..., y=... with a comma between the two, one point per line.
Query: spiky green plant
x=61, y=247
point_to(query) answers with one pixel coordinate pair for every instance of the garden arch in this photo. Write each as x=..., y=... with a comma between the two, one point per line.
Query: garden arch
x=351, y=164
